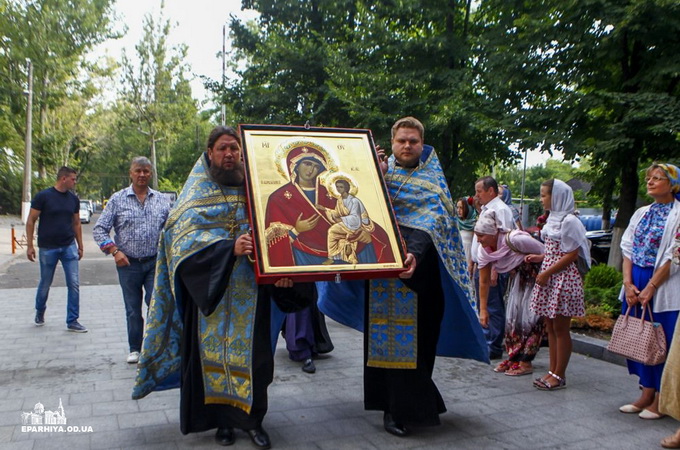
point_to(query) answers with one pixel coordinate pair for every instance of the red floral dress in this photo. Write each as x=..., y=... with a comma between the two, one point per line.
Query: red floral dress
x=563, y=294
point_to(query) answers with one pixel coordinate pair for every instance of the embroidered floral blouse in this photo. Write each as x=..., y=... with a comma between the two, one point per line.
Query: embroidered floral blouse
x=648, y=234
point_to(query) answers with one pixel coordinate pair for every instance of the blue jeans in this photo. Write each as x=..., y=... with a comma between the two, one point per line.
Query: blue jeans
x=495, y=306
x=132, y=279
x=49, y=257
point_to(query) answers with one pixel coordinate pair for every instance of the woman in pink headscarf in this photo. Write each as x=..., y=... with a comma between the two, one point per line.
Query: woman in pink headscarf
x=506, y=251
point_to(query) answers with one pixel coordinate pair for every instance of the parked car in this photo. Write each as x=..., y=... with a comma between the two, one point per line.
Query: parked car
x=85, y=213
x=601, y=242
x=89, y=204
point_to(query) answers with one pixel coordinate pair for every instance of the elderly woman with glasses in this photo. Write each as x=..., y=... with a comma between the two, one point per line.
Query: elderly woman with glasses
x=649, y=277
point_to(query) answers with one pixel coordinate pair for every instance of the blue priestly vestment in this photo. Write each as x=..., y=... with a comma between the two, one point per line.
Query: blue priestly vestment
x=421, y=201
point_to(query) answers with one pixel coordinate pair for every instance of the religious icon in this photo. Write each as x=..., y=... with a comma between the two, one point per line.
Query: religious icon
x=318, y=205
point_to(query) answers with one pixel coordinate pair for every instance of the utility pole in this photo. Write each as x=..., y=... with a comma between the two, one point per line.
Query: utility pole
x=26, y=195
x=224, y=71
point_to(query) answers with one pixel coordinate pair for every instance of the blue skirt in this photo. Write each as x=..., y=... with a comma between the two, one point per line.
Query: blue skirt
x=650, y=376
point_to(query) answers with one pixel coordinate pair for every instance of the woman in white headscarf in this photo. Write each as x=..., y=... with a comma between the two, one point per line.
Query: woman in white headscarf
x=558, y=293
x=506, y=251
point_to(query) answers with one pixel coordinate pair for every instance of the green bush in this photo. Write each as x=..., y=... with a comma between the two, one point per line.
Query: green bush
x=606, y=299
x=601, y=289
x=602, y=276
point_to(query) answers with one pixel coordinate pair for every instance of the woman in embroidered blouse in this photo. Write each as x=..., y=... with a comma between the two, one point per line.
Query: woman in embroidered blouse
x=506, y=253
x=648, y=275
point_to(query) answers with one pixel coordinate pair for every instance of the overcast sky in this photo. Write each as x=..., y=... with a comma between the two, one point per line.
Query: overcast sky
x=196, y=23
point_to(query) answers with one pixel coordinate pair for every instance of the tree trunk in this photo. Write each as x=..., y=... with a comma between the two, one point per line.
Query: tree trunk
x=627, y=201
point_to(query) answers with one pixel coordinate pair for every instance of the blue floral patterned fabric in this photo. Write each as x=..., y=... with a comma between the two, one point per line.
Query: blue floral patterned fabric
x=205, y=213
x=648, y=234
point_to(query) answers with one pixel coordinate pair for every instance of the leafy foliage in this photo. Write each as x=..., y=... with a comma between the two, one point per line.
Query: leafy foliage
x=602, y=286
x=603, y=276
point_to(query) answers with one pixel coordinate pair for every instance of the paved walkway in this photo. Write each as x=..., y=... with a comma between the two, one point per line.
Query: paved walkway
x=87, y=373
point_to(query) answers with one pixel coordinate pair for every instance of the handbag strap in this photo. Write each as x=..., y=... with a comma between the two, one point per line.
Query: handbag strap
x=510, y=244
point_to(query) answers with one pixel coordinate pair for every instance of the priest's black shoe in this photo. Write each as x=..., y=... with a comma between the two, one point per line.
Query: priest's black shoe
x=259, y=437
x=309, y=366
x=393, y=427
x=225, y=436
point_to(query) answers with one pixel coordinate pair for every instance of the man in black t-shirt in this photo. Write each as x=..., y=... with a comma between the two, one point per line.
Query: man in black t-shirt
x=60, y=238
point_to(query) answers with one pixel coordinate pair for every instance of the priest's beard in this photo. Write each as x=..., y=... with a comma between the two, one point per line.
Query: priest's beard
x=231, y=177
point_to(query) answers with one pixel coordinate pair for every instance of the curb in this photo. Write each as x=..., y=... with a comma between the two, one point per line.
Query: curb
x=595, y=348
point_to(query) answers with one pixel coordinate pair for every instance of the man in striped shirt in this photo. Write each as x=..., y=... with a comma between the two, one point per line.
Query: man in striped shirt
x=137, y=215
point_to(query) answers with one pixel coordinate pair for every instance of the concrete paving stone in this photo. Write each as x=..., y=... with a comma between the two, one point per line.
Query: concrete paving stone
x=13, y=364
x=353, y=409
x=206, y=441
x=276, y=419
x=10, y=418
x=163, y=446
x=76, y=386
x=470, y=443
x=576, y=429
x=473, y=408
x=420, y=437
x=305, y=446
x=173, y=416
x=284, y=403
x=284, y=390
x=141, y=419
x=6, y=433
x=124, y=394
x=26, y=445
x=127, y=372
x=78, y=411
x=117, y=439
x=112, y=408
x=59, y=440
x=158, y=402
x=530, y=437
x=105, y=385
x=91, y=397
x=480, y=425
x=14, y=404
x=299, y=434
x=166, y=433
x=346, y=443
x=98, y=424
x=310, y=415
x=352, y=425
x=520, y=418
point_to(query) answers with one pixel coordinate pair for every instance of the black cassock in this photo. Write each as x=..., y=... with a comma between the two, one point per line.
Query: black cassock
x=204, y=278
x=410, y=395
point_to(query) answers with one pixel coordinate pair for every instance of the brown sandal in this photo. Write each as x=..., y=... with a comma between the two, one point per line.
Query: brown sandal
x=672, y=441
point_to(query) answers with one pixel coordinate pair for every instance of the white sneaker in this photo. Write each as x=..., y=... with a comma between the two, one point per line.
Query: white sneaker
x=133, y=358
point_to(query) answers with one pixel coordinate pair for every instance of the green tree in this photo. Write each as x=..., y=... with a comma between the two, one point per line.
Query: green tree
x=157, y=92
x=352, y=63
x=596, y=78
x=55, y=35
